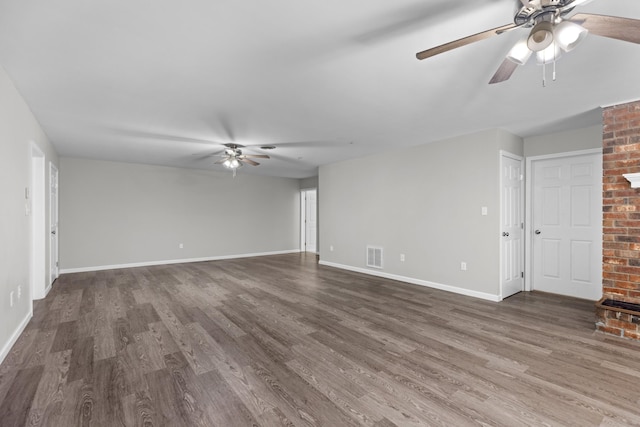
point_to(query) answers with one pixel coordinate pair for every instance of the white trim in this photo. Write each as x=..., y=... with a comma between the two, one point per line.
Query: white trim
x=16, y=334
x=528, y=226
x=413, y=281
x=172, y=261
x=618, y=103
x=633, y=178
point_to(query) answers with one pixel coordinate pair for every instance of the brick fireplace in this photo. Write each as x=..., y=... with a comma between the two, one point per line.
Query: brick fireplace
x=618, y=313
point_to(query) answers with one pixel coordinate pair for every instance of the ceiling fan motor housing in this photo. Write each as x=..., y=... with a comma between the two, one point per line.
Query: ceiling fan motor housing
x=537, y=10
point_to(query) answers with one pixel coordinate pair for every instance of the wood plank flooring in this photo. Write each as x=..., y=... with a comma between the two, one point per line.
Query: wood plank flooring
x=281, y=341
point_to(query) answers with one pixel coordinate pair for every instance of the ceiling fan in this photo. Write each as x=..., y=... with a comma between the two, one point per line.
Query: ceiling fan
x=233, y=158
x=552, y=33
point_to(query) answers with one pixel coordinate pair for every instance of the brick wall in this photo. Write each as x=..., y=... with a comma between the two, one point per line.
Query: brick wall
x=621, y=217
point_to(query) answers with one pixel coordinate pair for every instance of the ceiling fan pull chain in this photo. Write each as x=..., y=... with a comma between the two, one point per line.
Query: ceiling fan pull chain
x=554, y=70
x=544, y=75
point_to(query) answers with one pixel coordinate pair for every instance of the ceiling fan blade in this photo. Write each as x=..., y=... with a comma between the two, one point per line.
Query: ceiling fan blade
x=221, y=161
x=243, y=159
x=464, y=41
x=504, y=72
x=256, y=156
x=613, y=27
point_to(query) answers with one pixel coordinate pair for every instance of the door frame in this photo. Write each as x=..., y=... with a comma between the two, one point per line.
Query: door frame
x=516, y=157
x=303, y=218
x=528, y=226
x=36, y=201
x=53, y=263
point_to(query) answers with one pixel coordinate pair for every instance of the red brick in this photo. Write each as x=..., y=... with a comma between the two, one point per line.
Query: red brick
x=615, y=230
x=620, y=324
x=613, y=293
x=615, y=215
x=626, y=254
x=627, y=285
x=626, y=148
x=615, y=276
x=610, y=330
x=635, y=335
x=616, y=186
x=613, y=157
x=616, y=261
x=627, y=223
x=627, y=270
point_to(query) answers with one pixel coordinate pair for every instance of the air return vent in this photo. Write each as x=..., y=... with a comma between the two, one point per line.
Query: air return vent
x=374, y=257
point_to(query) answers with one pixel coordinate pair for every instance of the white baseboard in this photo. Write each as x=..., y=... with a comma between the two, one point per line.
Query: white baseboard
x=172, y=261
x=16, y=334
x=448, y=288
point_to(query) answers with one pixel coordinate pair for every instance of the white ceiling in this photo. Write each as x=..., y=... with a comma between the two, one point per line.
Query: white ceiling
x=166, y=82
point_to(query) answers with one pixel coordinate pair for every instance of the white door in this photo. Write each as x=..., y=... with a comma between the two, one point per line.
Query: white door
x=310, y=221
x=567, y=225
x=53, y=221
x=511, y=225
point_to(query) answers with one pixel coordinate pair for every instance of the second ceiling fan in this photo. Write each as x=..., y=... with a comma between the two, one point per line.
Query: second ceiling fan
x=552, y=33
x=233, y=158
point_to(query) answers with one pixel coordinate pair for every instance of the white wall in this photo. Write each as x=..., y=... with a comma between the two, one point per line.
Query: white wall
x=114, y=214
x=562, y=142
x=307, y=183
x=19, y=129
x=424, y=202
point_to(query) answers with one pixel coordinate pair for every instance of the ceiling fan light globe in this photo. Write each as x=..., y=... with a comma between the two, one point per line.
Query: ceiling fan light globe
x=541, y=36
x=569, y=35
x=520, y=52
x=548, y=55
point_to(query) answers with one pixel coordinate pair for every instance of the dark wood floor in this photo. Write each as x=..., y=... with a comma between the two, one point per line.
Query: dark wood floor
x=282, y=341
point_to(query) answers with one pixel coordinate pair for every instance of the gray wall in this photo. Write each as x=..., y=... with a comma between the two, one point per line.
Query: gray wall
x=308, y=183
x=18, y=130
x=562, y=142
x=118, y=213
x=424, y=202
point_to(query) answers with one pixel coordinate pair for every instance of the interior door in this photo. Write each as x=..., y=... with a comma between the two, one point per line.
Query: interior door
x=511, y=225
x=53, y=221
x=567, y=225
x=310, y=221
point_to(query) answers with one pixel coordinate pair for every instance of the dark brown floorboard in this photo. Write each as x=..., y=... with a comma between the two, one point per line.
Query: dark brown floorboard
x=282, y=341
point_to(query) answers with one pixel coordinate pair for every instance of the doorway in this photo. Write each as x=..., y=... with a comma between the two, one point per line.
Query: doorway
x=511, y=225
x=53, y=222
x=36, y=207
x=308, y=220
x=566, y=224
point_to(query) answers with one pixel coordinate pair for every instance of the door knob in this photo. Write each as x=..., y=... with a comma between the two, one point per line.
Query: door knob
x=505, y=234
x=537, y=231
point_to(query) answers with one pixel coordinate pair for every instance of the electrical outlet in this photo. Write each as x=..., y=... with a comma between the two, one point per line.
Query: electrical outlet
x=19, y=291
x=11, y=299
x=463, y=266
x=181, y=246
x=401, y=257
x=331, y=248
